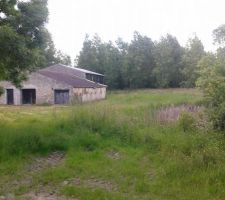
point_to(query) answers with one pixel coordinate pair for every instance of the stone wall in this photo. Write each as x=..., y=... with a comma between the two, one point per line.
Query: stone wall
x=45, y=87
x=89, y=94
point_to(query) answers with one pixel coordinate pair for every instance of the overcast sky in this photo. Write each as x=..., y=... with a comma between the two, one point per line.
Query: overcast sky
x=70, y=20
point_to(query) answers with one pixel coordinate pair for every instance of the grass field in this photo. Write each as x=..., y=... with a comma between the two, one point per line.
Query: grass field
x=113, y=149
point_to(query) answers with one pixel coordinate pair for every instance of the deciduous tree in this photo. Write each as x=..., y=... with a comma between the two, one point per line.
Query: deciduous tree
x=194, y=51
x=25, y=43
x=168, y=56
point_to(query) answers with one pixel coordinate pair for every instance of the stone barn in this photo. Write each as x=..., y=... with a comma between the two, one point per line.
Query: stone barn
x=57, y=84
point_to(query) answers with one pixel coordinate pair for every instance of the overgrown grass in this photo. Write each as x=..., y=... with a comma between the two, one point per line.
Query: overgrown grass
x=155, y=161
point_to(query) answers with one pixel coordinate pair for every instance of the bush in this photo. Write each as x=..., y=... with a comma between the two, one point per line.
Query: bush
x=218, y=116
x=186, y=122
x=212, y=83
x=1, y=90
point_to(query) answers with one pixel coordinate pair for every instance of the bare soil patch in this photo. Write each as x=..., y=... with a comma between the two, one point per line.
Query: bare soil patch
x=42, y=163
x=39, y=164
x=43, y=196
x=92, y=183
x=114, y=155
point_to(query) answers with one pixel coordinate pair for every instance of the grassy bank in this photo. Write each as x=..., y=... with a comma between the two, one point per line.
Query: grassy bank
x=114, y=149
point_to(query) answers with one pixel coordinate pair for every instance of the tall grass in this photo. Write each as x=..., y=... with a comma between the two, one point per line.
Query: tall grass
x=182, y=164
x=127, y=119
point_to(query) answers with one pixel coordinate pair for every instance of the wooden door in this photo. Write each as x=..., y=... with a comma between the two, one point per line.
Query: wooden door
x=61, y=96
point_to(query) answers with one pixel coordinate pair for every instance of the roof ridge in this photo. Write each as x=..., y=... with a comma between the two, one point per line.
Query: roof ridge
x=74, y=68
x=82, y=69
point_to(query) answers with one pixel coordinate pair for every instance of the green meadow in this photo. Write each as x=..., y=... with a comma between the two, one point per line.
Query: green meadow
x=112, y=149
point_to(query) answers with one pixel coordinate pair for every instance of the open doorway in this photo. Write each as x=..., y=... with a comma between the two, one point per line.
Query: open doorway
x=28, y=96
x=10, y=96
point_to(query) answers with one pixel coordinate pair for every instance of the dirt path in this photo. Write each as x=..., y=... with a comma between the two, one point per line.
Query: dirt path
x=43, y=192
x=38, y=165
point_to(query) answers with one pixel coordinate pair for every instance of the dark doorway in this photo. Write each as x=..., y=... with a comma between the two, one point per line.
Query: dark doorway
x=61, y=96
x=10, y=96
x=28, y=96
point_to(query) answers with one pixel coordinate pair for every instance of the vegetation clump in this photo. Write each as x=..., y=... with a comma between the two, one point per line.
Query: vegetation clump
x=1, y=90
x=211, y=70
x=187, y=122
x=25, y=41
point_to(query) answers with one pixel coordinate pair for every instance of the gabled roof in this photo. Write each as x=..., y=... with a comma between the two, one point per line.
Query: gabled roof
x=72, y=80
x=70, y=70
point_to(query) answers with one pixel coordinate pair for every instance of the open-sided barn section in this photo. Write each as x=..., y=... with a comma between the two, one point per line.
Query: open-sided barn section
x=57, y=84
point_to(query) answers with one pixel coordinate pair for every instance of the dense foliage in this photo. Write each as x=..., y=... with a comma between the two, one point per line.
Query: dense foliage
x=193, y=54
x=1, y=90
x=143, y=63
x=212, y=80
x=25, y=43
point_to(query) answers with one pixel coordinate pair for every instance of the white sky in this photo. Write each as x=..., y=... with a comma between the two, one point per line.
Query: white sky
x=70, y=20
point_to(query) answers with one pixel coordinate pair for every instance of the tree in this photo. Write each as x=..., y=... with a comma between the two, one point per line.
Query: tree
x=168, y=56
x=140, y=62
x=25, y=42
x=88, y=55
x=219, y=35
x=193, y=54
x=212, y=80
x=62, y=58
x=219, y=40
x=212, y=83
x=104, y=58
x=114, y=66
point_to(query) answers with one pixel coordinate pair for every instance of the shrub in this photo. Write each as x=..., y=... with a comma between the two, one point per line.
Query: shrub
x=212, y=83
x=186, y=122
x=217, y=115
x=1, y=90
x=15, y=144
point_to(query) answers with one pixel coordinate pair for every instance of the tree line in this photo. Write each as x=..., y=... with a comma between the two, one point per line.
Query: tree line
x=143, y=63
x=26, y=44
